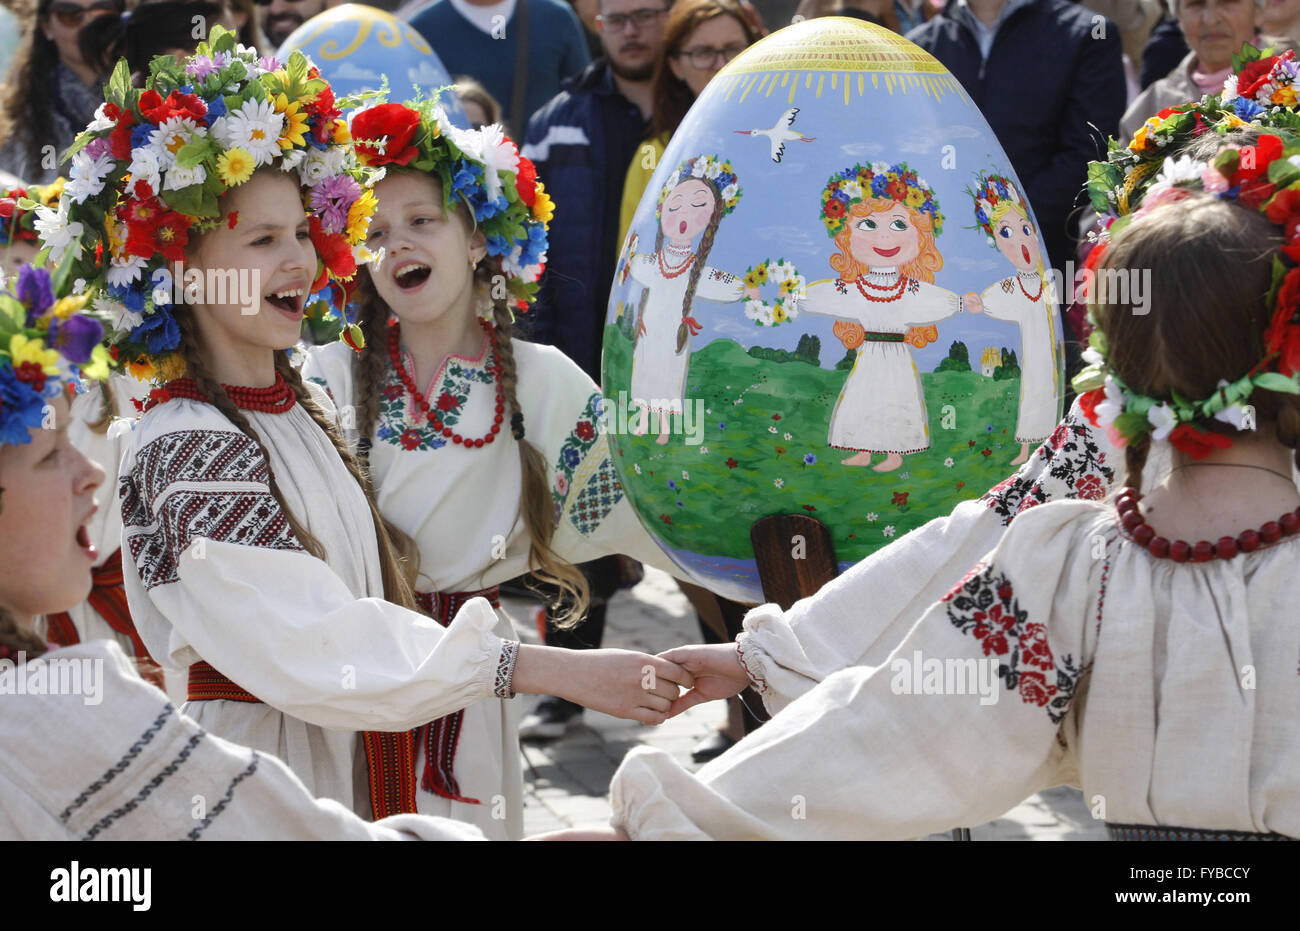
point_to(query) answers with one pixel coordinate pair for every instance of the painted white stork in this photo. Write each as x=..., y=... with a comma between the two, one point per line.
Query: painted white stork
x=780, y=134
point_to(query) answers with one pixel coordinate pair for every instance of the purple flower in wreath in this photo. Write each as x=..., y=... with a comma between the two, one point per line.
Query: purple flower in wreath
x=76, y=337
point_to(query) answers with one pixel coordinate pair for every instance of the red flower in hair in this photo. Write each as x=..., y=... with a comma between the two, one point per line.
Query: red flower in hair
x=526, y=181
x=834, y=208
x=1088, y=404
x=1253, y=162
x=1254, y=193
x=896, y=191
x=1252, y=77
x=8, y=205
x=1283, y=336
x=334, y=250
x=391, y=120
x=1197, y=443
x=31, y=373
x=120, y=138
x=152, y=229
x=157, y=110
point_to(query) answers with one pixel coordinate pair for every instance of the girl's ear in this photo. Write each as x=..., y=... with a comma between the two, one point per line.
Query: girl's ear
x=477, y=247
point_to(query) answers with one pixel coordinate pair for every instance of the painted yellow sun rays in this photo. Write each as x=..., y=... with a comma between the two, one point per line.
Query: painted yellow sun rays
x=834, y=55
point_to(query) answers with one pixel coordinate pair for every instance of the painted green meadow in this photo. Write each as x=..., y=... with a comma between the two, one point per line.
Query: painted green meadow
x=764, y=452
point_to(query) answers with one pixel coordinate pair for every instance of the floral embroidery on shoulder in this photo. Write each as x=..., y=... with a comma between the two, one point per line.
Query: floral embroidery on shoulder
x=984, y=605
x=913, y=286
x=575, y=448
x=1069, y=464
x=841, y=286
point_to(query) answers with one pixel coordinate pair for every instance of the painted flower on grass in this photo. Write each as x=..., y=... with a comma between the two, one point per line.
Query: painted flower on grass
x=871, y=517
x=636, y=468
x=900, y=497
x=888, y=530
x=948, y=462
x=779, y=483
x=809, y=459
x=731, y=463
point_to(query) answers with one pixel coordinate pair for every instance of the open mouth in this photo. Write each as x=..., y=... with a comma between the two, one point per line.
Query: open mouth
x=288, y=301
x=411, y=276
x=83, y=541
x=887, y=253
x=1024, y=251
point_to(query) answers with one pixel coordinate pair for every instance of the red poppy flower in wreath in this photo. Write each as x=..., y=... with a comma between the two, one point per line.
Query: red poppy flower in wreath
x=1255, y=74
x=526, y=181
x=9, y=204
x=389, y=127
x=1197, y=443
x=119, y=139
x=1034, y=689
x=896, y=190
x=159, y=111
x=152, y=230
x=334, y=250
x=834, y=208
x=1088, y=402
x=585, y=431
x=409, y=439
x=447, y=401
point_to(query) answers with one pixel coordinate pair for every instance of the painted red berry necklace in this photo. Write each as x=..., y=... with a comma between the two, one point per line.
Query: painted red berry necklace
x=892, y=291
x=1140, y=532
x=422, y=404
x=1033, y=297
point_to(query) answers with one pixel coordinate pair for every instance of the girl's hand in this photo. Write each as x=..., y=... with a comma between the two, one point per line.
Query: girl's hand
x=716, y=669
x=971, y=302
x=572, y=834
x=625, y=684
x=752, y=293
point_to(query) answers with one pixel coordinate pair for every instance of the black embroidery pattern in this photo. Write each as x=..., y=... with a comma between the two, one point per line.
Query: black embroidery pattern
x=164, y=774
x=120, y=766
x=225, y=799
x=1069, y=464
x=209, y=457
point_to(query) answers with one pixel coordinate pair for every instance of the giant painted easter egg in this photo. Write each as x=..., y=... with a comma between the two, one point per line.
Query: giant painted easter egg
x=833, y=300
x=354, y=46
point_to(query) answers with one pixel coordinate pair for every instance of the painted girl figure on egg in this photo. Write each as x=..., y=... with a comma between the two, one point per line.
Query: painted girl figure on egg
x=1025, y=298
x=884, y=220
x=692, y=204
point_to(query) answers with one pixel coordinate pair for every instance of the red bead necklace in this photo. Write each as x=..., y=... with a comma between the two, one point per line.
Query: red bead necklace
x=434, y=417
x=676, y=270
x=895, y=291
x=1140, y=532
x=275, y=399
x=1032, y=297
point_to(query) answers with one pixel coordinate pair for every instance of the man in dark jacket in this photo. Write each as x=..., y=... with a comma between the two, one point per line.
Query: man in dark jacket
x=582, y=142
x=1049, y=77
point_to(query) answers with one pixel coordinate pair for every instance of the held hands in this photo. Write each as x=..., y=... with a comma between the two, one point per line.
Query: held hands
x=970, y=301
x=625, y=684
x=716, y=670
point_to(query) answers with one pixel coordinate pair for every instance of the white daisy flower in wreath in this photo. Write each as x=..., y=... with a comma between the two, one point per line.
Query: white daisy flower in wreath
x=852, y=188
x=179, y=178
x=255, y=127
x=102, y=120
x=57, y=234
x=87, y=175
x=171, y=136
x=1163, y=419
x=124, y=271
x=147, y=167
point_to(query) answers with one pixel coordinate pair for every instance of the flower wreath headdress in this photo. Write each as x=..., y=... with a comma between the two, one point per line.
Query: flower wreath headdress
x=17, y=224
x=44, y=346
x=150, y=169
x=991, y=190
x=1265, y=177
x=897, y=182
x=722, y=175
x=481, y=167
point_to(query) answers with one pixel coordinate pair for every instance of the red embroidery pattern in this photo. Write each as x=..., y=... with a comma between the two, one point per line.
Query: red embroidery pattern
x=984, y=605
x=1069, y=464
x=157, y=541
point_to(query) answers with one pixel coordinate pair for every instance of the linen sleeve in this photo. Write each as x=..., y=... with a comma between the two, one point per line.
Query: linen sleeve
x=960, y=723
x=120, y=762
x=999, y=300
x=212, y=570
x=717, y=285
x=860, y=616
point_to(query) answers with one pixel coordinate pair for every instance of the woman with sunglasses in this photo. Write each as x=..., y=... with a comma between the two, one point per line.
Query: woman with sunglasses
x=699, y=40
x=51, y=91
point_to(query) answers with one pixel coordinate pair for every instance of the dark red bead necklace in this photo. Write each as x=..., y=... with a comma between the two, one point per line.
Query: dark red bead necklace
x=892, y=291
x=433, y=416
x=274, y=399
x=1135, y=527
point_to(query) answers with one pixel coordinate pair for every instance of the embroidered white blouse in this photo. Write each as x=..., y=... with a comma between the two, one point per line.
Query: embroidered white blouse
x=461, y=506
x=1166, y=691
x=213, y=572
x=124, y=764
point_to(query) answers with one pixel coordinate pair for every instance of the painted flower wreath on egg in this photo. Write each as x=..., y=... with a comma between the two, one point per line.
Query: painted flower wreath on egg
x=791, y=287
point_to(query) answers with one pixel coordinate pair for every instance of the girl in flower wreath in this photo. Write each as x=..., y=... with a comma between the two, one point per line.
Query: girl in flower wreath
x=1024, y=299
x=1120, y=643
x=884, y=221
x=253, y=553
x=56, y=745
x=691, y=205
x=464, y=427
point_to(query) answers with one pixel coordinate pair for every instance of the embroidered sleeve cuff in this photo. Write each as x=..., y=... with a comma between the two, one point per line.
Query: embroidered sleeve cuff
x=503, y=685
x=751, y=658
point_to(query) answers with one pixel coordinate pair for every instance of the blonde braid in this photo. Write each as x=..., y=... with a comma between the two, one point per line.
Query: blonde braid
x=535, y=501
x=399, y=558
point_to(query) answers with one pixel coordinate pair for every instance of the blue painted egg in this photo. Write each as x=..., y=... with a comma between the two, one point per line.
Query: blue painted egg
x=833, y=300
x=354, y=46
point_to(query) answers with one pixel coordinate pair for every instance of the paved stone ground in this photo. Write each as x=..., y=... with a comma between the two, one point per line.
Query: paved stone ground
x=566, y=782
